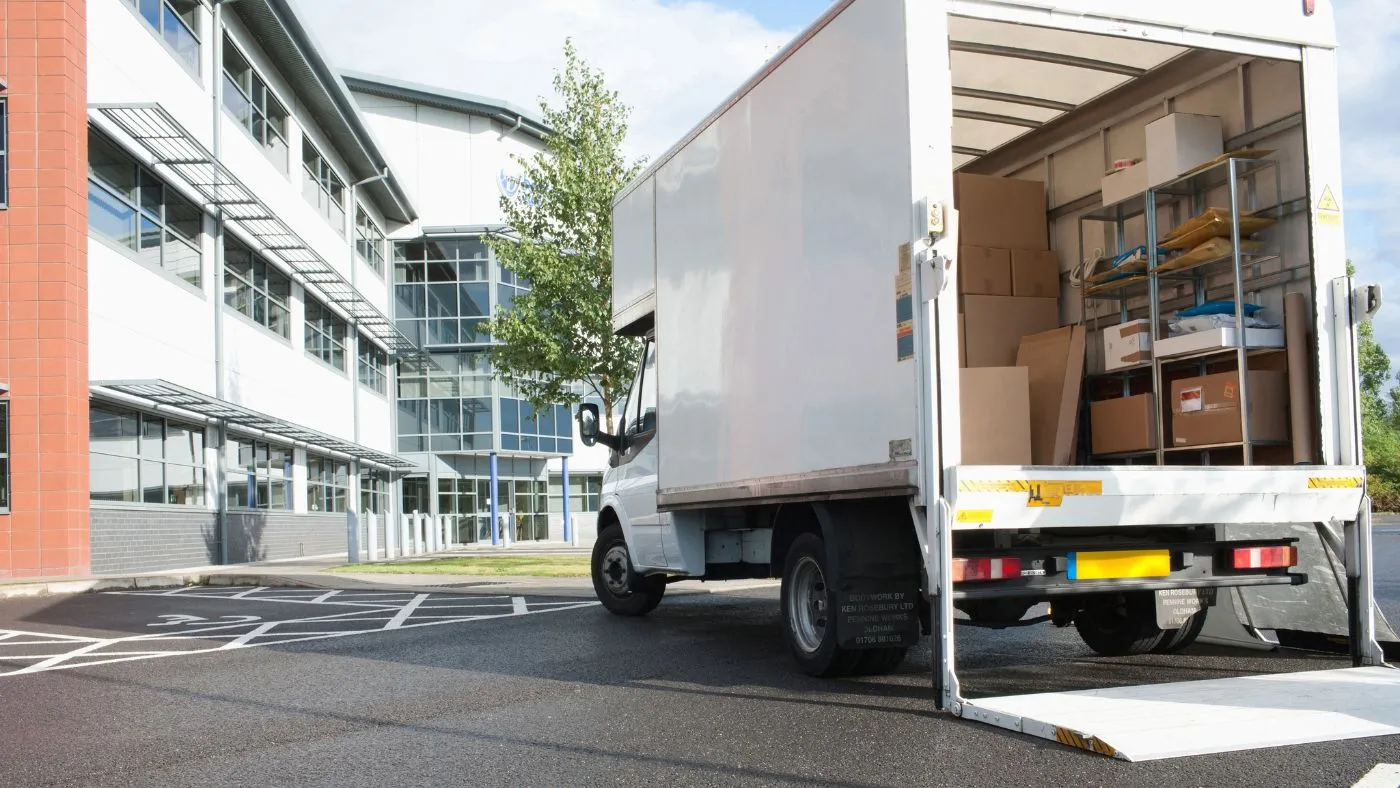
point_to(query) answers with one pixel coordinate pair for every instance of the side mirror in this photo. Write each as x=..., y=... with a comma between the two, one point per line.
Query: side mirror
x=588, y=423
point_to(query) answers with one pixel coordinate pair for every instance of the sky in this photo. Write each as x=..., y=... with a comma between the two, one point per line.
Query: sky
x=673, y=61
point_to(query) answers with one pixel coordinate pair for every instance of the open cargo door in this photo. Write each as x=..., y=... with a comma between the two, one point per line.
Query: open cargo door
x=976, y=71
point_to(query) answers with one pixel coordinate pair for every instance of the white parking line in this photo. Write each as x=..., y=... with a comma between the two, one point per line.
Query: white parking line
x=181, y=633
x=1384, y=775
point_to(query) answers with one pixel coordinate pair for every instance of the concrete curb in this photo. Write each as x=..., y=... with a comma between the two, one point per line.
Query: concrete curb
x=461, y=585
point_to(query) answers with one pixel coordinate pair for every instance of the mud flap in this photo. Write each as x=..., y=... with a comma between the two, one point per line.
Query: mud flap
x=1314, y=613
x=874, y=613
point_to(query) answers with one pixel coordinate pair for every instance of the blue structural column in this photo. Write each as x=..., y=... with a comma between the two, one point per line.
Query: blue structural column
x=495, y=504
x=568, y=529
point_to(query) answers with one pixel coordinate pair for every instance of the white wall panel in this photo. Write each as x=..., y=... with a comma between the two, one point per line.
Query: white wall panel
x=777, y=252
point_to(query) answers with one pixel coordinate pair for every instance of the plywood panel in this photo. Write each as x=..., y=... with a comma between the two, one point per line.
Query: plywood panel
x=1275, y=90
x=1219, y=97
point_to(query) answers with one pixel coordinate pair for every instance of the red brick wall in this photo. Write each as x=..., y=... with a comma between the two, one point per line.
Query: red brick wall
x=43, y=288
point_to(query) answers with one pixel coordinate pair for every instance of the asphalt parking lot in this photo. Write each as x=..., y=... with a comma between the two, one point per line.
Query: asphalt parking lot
x=240, y=686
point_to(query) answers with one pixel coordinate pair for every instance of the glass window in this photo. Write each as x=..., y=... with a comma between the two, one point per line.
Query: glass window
x=327, y=484
x=136, y=457
x=369, y=240
x=252, y=103
x=321, y=186
x=132, y=208
x=641, y=414
x=441, y=293
x=374, y=364
x=259, y=475
x=325, y=334
x=177, y=23
x=256, y=289
x=374, y=492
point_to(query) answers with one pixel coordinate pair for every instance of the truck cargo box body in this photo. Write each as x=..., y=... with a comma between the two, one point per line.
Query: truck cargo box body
x=765, y=248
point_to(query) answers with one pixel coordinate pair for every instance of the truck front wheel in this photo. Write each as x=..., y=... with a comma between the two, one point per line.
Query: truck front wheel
x=615, y=580
x=809, y=620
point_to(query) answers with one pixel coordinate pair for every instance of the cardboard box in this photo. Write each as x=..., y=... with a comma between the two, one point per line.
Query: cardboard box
x=1217, y=338
x=1055, y=360
x=1123, y=184
x=984, y=271
x=993, y=326
x=996, y=419
x=1127, y=345
x=1002, y=213
x=1206, y=410
x=1035, y=274
x=1180, y=142
x=1123, y=425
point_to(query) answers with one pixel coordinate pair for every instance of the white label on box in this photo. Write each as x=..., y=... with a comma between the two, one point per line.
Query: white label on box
x=1191, y=399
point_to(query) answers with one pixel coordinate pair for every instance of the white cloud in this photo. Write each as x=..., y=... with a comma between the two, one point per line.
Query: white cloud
x=671, y=62
x=1368, y=32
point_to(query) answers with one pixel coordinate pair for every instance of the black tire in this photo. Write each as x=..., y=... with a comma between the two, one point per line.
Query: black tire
x=1183, y=637
x=615, y=580
x=1120, y=625
x=880, y=661
x=808, y=622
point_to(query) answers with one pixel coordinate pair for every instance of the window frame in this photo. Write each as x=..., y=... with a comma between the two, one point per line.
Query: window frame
x=375, y=486
x=372, y=367
x=325, y=334
x=369, y=235
x=262, y=476
x=323, y=481
x=262, y=273
x=142, y=460
x=194, y=67
x=325, y=180
x=136, y=204
x=257, y=84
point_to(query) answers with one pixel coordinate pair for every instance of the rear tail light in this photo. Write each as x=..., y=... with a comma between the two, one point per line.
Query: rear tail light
x=1265, y=557
x=977, y=569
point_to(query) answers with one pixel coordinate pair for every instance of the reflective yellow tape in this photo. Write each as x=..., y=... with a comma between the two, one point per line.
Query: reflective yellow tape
x=1334, y=482
x=1038, y=493
x=1072, y=739
x=978, y=516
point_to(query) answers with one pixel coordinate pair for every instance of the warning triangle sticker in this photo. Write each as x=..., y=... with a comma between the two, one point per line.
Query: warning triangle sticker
x=1327, y=202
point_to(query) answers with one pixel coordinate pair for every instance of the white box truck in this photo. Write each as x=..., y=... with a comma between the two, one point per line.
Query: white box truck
x=791, y=266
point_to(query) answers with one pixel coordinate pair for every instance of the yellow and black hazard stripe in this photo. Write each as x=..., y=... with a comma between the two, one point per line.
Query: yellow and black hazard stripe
x=1334, y=482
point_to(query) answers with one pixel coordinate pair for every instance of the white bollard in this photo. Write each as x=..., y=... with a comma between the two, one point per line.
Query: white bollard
x=372, y=535
x=420, y=533
x=573, y=531
x=449, y=531
x=406, y=532
x=507, y=538
x=389, y=541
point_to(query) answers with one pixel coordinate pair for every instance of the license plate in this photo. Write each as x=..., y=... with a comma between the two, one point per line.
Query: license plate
x=1119, y=564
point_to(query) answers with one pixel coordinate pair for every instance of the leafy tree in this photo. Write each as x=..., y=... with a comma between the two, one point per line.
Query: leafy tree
x=1380, y=433
x=557, y=338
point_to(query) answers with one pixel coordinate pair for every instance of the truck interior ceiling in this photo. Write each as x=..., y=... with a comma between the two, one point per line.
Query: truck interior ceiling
x=1124, y=208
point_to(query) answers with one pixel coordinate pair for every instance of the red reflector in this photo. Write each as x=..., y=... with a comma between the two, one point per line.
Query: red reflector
x=974, y=569
x=1265, y=557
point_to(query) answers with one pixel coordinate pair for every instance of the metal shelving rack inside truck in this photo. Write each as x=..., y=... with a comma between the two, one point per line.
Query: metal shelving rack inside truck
x=866, y=355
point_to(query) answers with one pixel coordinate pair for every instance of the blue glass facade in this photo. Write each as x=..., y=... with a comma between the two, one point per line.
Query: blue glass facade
x=444, y=290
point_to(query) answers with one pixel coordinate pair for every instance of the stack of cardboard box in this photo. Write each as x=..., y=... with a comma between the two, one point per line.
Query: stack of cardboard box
x=1017, y=362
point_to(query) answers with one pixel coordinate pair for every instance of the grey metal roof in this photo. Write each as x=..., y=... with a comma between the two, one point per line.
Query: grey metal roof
x=456, y=101
x=162, y=392
x=170, y=145
x=294, y=51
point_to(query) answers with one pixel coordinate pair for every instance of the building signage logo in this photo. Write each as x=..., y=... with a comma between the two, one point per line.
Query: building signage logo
x=512, y=185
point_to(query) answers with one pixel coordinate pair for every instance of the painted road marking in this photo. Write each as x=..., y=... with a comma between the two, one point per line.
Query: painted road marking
x=188, y=635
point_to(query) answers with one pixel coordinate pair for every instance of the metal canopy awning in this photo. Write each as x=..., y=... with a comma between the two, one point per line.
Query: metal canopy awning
x=171, y=146
x=171, y=395
x=1010, y=79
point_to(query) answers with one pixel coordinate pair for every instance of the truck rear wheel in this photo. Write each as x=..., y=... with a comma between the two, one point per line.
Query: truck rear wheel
x=809, y=620
x=615, y=580
x=1119, y=625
